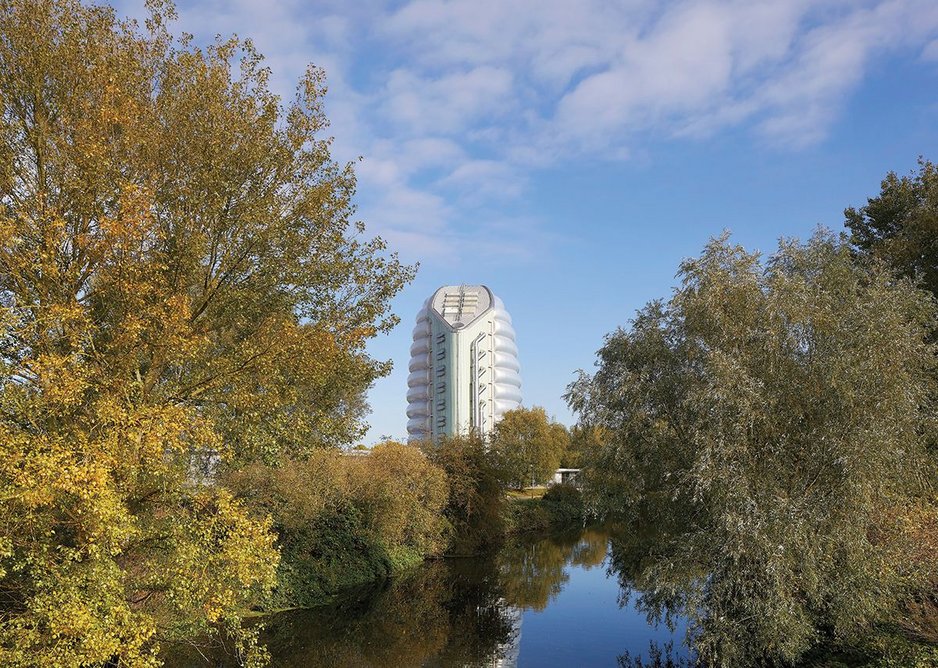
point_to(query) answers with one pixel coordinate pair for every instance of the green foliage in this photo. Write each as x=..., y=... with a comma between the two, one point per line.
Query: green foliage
x=900, y=225
x=347, y=520
x=526, y=516
x=560, y=509
x=403, y=496
x=333, y=553
x=585, y=441
x=474, y=507
x=528, y=445
x=182, y=288
x=564, y=505
x=766, y=428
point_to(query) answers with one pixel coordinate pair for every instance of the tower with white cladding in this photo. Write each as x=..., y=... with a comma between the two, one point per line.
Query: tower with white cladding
x=464, y=371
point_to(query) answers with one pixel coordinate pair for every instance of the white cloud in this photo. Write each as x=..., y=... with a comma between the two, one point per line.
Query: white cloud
x=485, y=180
x=451, y=103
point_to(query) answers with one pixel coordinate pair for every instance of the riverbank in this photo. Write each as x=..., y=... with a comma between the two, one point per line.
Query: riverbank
x=320, y=562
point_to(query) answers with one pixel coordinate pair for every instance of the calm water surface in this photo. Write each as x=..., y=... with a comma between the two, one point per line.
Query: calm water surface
x=545, y=602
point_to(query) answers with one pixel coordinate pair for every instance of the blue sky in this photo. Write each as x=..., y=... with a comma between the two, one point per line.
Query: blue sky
x=570, y=154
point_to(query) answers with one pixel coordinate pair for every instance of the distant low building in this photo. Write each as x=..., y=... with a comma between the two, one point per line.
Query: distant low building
x=464, y=370
x=565, y=476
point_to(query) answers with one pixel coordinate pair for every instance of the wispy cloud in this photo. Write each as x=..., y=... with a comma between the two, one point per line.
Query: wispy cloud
x=452, y=103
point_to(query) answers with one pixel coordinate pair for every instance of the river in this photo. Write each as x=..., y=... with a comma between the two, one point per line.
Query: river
x=539, y=602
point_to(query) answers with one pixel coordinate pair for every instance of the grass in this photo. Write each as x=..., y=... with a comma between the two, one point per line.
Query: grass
x=527, y=494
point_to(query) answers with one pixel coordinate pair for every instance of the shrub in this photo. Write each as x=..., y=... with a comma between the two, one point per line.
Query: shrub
x=564, y=504
x=347, y=520
x=474, y=507
x=401, y=495
x=332, y=553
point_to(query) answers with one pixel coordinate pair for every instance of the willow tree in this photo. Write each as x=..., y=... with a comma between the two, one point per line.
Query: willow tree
x=765, y=439
x=182, y=284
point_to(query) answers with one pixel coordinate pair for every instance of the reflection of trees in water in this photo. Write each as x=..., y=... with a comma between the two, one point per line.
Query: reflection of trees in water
x=444, y=614
x=454, y=612
x=534, y=571
x=590, y=550
x=658, y=657
x=656, y=570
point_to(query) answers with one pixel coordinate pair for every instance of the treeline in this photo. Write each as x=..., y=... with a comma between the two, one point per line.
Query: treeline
x=768, y=442
x=344, y=519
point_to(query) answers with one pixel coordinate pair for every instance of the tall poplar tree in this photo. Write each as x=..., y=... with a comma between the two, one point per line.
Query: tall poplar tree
x=182, y=287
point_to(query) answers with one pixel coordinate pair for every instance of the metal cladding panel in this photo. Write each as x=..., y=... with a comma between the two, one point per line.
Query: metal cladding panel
x=464, y=364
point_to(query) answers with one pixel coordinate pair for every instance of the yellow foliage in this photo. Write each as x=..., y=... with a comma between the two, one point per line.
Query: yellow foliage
x=399, y=493
x=182, y=291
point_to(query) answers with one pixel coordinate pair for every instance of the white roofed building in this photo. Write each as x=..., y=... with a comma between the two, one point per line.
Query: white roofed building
x=464, y=371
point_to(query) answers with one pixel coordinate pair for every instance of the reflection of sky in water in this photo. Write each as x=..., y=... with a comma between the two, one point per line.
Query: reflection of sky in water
x=584, y=626
x=542, y=602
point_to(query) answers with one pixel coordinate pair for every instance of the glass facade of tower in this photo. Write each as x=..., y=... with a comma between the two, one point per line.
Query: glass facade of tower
x=464, y=371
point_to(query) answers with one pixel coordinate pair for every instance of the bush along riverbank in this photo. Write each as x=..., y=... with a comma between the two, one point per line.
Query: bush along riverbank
x=560, y=508
x=344, y=521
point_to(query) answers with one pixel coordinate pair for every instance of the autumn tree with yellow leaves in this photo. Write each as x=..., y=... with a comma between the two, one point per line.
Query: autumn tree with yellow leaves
x=183, y=290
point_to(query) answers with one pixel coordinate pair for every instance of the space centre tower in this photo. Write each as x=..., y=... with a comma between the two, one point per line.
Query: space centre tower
x=464, y=371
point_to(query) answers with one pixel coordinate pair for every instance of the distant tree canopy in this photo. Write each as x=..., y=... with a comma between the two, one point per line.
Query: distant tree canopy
x=528, y=445
x=764, y=436
x=180, y=279
x=585, y=441
x=900, y=225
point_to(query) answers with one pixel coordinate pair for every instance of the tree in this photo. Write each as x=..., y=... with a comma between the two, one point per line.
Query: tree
x=585, y=441
x=528, y=445
x=764, y=428
x=182, y=290
x=476, y=500
x=900, y=225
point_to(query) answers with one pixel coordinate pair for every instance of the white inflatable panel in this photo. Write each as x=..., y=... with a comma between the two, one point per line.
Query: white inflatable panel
x=505, y=329
x=506, y=377
x=419, y=410
x=417, y=394
x=421, y=329
x=421, y=346
x=418, y=378
x=508, y=393
x=502, y=406
x=419, y=363
x=503, y=344
x=507, y=361
x=418, y=425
